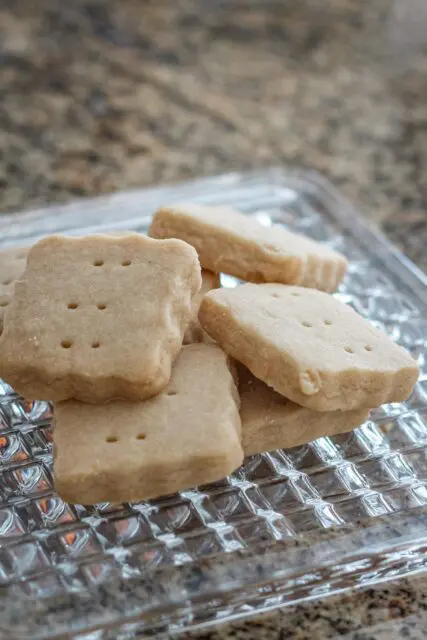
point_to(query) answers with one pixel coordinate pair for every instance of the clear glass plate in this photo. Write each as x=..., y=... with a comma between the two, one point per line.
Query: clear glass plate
x=335, y=514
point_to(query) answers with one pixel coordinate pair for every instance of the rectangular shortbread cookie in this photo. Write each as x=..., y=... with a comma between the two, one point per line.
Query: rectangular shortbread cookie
x=271, y=421
x=231, y=242
x=308, y=346
x=12, y=267
x=126, y=451
x=194, y=332
x=98, y=317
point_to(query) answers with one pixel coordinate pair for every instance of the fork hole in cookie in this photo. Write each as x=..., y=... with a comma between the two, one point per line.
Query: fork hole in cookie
x=101, y=306
x=3, y=304
x=368, y=347
x=141, y=436
x=73, y=305
x=6, y=282
x=66, y=344
x=111, y=439
x=348, y=349
x=327, y=323
x=126, y=263
x=295, y=294
x=172, y=393
x=306, y=324
x=275, y=295
x=95, y=344
x=98, y=263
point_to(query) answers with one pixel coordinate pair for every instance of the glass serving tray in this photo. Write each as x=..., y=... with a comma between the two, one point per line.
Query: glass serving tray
x=289, y=525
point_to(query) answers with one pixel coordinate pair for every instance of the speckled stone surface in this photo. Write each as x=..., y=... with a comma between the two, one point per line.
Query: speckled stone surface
x=97, y=95
x=394, y=610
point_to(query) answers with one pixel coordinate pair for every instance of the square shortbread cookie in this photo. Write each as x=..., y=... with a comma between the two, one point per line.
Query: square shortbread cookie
x=98, y=317
x=231, y=242
x=271, y=421
x=12, y=267
x=308, y=346
x=194, y=332
x=125, y=451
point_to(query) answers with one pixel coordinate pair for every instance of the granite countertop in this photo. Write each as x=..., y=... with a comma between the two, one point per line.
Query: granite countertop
x=98, y=96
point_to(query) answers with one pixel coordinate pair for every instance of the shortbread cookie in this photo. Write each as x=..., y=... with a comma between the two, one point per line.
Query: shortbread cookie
x=238, y=244
x=98, y=317
x=194, y=332
x=12, y=266
x=308, y=346
x=126, y=451
x=271, y=421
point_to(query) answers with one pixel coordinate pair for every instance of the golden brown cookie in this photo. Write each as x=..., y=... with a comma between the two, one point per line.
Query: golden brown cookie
x=98, y=317
x=125, y=451
x=308, y=346
x=232, y=242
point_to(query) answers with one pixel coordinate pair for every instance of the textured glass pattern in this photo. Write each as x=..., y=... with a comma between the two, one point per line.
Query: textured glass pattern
x=333, y=514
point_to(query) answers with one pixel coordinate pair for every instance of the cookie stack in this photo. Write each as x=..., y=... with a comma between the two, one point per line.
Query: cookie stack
x=142, y=353
x=308, y=365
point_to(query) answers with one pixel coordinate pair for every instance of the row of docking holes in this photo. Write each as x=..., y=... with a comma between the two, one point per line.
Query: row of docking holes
x=67, y=344
x=327, y=323
x=113, y=439
x=71, y=305
x=96, y=263
x=140, y=436
x=100, y=263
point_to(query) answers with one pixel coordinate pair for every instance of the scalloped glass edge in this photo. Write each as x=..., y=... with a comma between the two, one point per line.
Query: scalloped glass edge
x=266, y=576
